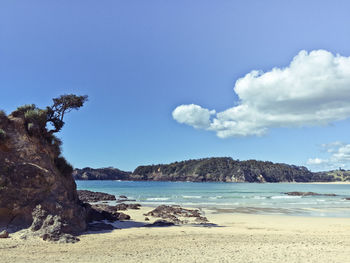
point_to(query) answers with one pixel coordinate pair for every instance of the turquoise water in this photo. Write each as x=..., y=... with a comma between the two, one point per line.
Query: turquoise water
x=233, y=197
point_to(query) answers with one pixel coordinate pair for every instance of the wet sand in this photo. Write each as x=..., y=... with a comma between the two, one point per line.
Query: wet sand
x=236, y=238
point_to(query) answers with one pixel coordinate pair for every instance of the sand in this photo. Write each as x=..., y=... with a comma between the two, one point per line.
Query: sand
x=236, y=238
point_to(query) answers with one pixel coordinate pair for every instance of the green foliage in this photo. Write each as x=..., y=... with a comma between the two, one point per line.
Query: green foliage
x=3, y=136
x=63, y=166
x=20, y=111
x=61, y=106
x=36, y=117
x=227, y=169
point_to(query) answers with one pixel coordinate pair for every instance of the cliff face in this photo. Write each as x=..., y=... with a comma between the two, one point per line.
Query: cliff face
x=209, y=170
x=30, y=180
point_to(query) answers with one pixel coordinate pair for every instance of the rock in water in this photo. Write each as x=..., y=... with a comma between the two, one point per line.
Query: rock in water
x=31, y=175
x=89, y=196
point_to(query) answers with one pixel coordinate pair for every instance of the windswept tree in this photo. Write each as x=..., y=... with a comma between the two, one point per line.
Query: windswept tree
x=61, y=106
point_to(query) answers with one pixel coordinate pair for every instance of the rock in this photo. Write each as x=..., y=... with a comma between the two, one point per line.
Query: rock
x=122, y=197
x=125, y=200
x=348, y=198
x=307, y=194
x=146, y=219
x=49, y=227
x=32, y=173
x=4, y=234
x=123, y=206
x=104, y=212
x=160, y=222
x=174, y=214
x=89, y=196
x=99, y=227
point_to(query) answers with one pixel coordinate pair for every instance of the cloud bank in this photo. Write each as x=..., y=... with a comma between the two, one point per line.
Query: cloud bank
x=313, y=90
x=339, y=156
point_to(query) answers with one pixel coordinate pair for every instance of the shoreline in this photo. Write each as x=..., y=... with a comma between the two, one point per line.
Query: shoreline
x=236, y=238
x=337, y=182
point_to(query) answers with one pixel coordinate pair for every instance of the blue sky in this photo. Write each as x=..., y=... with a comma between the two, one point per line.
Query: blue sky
x=140, y=60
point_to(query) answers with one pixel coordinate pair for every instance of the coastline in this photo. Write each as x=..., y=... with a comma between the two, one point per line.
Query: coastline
x=236, y=238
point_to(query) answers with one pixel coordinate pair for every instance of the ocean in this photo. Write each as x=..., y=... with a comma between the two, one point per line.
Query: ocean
x=267, y=198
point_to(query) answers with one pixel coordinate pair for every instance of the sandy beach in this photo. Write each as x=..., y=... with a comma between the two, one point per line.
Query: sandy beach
x=236, y=238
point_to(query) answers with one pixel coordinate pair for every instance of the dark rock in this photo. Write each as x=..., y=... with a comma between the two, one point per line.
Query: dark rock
x=172, y=214
x=104, y=212
x=125, y=200
x=307, y=194
x=160, y=222
x=89, y=196
x=348, y=198
x=99, y=227
x=122, y=197
x=146, y=219
x=123, y=206
x=4, y=234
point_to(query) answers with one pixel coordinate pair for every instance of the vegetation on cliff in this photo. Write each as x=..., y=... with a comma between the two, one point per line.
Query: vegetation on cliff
x=36, y=185
x=221, y=169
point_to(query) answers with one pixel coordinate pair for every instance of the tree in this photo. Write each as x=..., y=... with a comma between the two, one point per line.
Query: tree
x=61, y=106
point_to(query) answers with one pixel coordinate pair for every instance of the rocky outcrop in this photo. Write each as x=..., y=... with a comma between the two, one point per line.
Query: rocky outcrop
x=307, y=194
x=100, y=174
x=89, y=196
x=36, y=186
x=177, y=215
x=104, y=212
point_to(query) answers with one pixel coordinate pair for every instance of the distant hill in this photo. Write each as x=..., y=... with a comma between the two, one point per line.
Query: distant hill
x=337, y=175
x=100, y=174
x=219, y=169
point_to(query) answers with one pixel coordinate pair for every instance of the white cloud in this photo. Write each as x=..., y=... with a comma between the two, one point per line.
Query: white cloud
x=193, y=115
x=316, y=161
x=313, y=90
x=339, y=156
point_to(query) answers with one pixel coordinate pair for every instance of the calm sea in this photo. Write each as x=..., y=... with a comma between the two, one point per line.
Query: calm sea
x=233, y=197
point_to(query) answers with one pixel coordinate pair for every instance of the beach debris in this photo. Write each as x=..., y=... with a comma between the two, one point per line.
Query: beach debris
x=178, y=215
x=4, y=234
x=90, y=196
x=307, y=194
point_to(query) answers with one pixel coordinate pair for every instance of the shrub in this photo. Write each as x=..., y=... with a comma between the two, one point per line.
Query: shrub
x=20, y=111
x=3, y=136
x=36, y=116
x=3, y=116
x=63, y=166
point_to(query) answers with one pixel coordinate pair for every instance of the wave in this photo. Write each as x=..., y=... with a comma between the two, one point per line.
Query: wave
x=192, y=196
x=285, y=197
x=259, y=197
x=157, y=198
x=215, y=197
